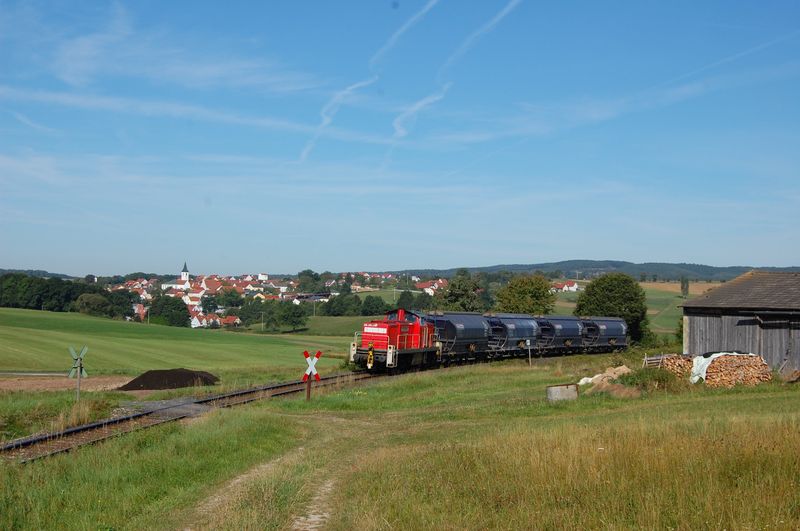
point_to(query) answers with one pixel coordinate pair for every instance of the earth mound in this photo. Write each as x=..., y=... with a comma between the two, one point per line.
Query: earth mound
x=169, y=379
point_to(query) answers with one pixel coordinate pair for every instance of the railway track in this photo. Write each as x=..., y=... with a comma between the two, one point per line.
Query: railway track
x=39, y=446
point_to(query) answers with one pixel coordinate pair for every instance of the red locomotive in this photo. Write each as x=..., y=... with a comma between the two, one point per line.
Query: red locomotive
x=401, y=340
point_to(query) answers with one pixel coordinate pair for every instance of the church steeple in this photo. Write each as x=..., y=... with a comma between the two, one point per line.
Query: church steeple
x=185, y=272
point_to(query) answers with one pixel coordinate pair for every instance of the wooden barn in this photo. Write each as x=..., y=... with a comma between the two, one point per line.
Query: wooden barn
x=758, y=312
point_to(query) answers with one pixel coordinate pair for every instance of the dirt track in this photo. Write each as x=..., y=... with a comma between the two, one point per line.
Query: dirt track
x=60, y=383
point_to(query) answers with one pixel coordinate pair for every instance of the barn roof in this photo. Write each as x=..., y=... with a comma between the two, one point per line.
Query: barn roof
x=755, y=290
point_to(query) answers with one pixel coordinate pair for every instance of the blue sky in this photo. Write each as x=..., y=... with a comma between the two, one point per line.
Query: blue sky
x=377, y=135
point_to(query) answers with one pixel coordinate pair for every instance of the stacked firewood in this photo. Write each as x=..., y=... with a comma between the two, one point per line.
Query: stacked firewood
x=680, y=366
x=727, y=371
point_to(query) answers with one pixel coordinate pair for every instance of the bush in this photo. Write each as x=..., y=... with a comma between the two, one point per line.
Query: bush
x=650, y=379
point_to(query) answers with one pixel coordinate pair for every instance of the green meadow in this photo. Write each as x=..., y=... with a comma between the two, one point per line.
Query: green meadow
x=474, y=447
x=38, y=341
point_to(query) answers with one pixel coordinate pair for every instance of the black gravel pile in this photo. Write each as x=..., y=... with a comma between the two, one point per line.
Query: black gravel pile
x=169, y=379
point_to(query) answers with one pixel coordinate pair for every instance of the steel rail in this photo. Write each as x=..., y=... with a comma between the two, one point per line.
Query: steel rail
x=70, y=438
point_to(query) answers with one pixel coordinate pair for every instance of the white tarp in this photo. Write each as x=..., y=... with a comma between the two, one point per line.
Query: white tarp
x=700, y=364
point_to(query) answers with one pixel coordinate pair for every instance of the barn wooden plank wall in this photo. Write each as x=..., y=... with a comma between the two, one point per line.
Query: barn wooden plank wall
x=776, y=342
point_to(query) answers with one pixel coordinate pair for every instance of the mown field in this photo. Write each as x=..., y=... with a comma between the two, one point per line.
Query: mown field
x=474, y=447
x=343, y=326
x=38, y=341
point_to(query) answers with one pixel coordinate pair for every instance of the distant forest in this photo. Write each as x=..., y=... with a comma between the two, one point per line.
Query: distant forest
x=588, y=269
x=38, y=273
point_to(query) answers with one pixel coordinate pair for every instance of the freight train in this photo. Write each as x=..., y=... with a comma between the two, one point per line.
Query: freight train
x=406, y=339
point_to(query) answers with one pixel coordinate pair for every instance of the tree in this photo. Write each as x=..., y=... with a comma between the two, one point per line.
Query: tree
x=170, y=311
x=642, y=277
x=121, y=302
x=93, y=304
x=684, y=286
x=209, y=304
x=405, y=300
x=373, y=305
x=309, y=281
x=229, y=297
x=423, y=301
x=293, y=315
x=526, y=294
x=616, y=295
x=461, y=294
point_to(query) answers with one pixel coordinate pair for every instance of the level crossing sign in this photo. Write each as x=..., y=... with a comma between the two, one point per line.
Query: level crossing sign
x=77, y=369
x=312, y=362
x=77, y=365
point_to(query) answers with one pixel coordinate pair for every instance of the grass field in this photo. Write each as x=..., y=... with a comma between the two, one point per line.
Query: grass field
x=343, y=326
x=469, y=448
x=387, y=295
x=38, y=341
x=32, y=341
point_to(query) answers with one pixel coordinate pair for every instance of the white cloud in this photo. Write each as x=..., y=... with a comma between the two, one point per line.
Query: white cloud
x=405, y=119
x=168, y=109
x=331, y=107
x=392, y=41
x=21, y=118
x=475, y=35
x=119, y=49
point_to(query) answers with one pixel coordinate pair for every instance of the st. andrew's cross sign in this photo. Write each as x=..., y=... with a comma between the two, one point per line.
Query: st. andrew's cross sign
x=311, y=371
x=77, y=369
x=312, y=362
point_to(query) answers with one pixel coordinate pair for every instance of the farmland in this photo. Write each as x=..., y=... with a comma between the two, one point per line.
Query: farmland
x=370, y=457
x=38, y=341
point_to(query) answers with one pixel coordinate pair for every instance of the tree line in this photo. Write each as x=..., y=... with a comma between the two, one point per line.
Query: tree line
x=18, y=290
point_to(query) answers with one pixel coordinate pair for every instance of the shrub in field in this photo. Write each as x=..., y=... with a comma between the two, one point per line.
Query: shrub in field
x=650, y=379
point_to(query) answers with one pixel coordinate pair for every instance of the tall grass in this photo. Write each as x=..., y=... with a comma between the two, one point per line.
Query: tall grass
x=706, y=474
x=24, y=413
x=143, y=480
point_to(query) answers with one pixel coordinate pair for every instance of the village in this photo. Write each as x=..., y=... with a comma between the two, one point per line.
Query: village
x=259, y=286
x=193, y=290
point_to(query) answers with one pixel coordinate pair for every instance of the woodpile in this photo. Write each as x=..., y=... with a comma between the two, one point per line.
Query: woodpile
x=680, y=366
x=727, y=371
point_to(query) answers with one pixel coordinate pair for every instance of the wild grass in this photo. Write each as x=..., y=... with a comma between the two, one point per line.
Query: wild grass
x=703, y=474
x=473, y=447
x=24, y=413
x=141, y=481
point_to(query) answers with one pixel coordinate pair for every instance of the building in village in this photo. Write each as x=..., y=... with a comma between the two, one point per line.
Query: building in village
x=758, y=312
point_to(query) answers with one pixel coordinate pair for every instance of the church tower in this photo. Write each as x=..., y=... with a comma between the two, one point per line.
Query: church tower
x=185, y=272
